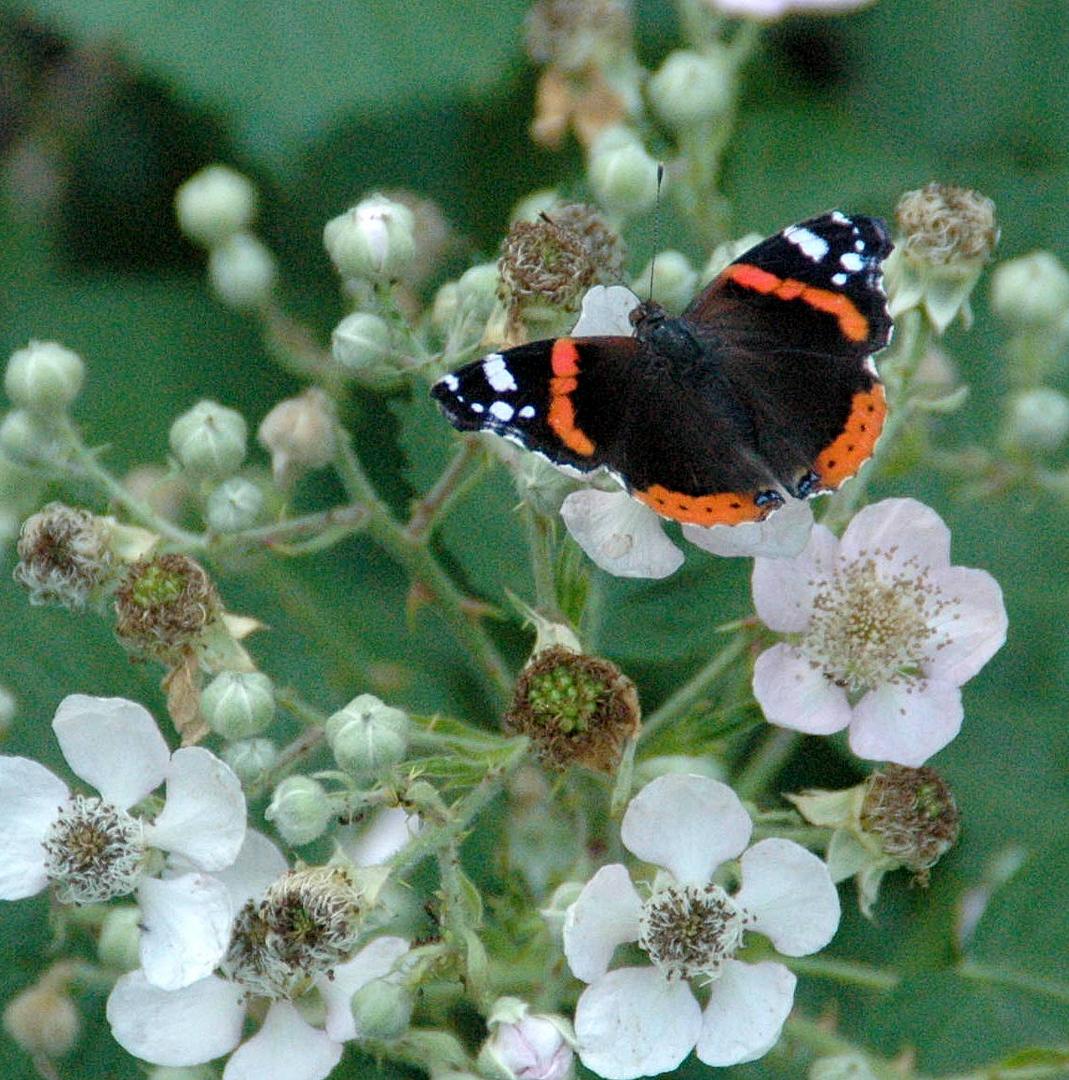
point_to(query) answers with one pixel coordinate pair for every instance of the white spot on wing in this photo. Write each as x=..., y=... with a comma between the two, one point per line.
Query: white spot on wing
x=839, y=218
x=451, y=383
x=526, y=412
x=812, y=246
x=851, y=261
x=497, y=373
x=476, y=407
x=838, y=279
x=501, y=410
x=859, y=245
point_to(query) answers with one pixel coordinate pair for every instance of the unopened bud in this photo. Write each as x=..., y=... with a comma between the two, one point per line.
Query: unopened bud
x=361, y=343
x=250, y=759
x=238, y=704
x=300, y=810
x=1032, y=290
x=215, y=203
x=43, y=1019
x=674, y=280
x=119, y=943
x=526, y=1044
x=691, y=88
x=236, y=504
x=27, y=438
x=44, y=377
x=367, y=736
x=382, y=1009
x=622, y=175
x=298, y=433
x=373, y=239
x=1038, y=419
x=242, y=271
x=210, y=440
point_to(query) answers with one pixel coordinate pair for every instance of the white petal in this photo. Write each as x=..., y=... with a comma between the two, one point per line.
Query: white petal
x=285, y=1048
x=687, y=824
x=975, y=624
x=793, y=693
x=904, y=530
x=747, y=1007
x=790, y=894
x=176, y=1027
x=906, y=724
x=372, y=962
x=633, y=1022
x=258, y=864
x=783, y=589
x=203, y=816
x=113, y=744
x=605, y=914
x=619, y=534
x=377, y=842
x=185, y=928
x=781, y=535
x=30, y=799
x=606, y=311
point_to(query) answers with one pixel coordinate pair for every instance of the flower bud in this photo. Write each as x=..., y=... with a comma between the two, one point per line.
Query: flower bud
x=210, y=440
x=8, y=708
x=234, y=505
x=477, y=289
x=241, y=271
x=361, y=344
x=368, y=737
x=238, y=704
x=250, y=759
x=622, y=175
x=674, y=280
x=525, y=1044
x=1032, y=290
x=44, y=377
x=382, y=1010
x=42, y=1019
x=119, y=942
x=26, y=438
x=181, y=1072
x=298, y=433
x=532, y=207
x=373, y=239
x=849, y=1066
x=300, y=810
x=215, y=203
x=1038, y=420
x=692, y=87
x=564, y=895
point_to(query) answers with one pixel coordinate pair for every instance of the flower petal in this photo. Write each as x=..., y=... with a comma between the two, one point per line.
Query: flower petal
x=185, y=928
x=633, y=1022
x=203, y=816
x=258, y=864
x=606, y=311
x=904, y=532
x=906, y=724
x=747, y=1007
x=789, y=893
x=285, y=1048
x=782, y=535
x=619, y=534
x=605, y=914
x=687, y=824
x=378, y=841
x=30, y=798
x=372, y=962
x=783, y=590
x=975, y=625
x=793, y=692
x=176, y=1027
x=113, y=744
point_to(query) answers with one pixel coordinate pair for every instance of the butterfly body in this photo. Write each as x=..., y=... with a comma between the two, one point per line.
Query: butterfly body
x=763, y=388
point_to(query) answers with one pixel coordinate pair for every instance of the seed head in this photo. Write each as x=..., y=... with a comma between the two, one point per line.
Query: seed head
x=63, y=555
x=941, y=224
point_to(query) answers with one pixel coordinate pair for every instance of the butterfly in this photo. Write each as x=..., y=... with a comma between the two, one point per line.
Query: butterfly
x=764, y=388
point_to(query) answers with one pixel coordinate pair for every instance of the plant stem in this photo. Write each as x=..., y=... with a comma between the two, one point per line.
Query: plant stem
x=843, y=971
x=428, y=511
x=777, y=746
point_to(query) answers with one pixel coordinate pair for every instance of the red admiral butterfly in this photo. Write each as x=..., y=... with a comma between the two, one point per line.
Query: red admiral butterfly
x=764, y=387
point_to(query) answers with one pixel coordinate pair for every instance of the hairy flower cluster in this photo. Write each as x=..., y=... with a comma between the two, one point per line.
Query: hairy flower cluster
x=575, y=708
x=914, y=814
x=63, y=555
x=941, y=223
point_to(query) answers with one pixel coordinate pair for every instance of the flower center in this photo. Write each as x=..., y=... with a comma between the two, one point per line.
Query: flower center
x=94, y=851
x=869, y=629
x=690, y=929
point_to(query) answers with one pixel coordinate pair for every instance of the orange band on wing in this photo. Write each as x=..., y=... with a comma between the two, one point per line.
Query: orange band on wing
x=855, y=445
x=852, y=323
x=726, y=508
x=561, y=415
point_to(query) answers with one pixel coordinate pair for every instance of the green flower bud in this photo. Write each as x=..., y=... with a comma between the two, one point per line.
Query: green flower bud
x=210, y=440
x=361, y=344
x=692, y=87
x=298, y=433
x=373, y=239
x=44, y=377
x=238, y=704
x=368, y=737
x=1038, y=420
x=26, y=438
x=250, y=759
x=674, y=280
x=8, y=708
x=850, y=1066
x=241, y=271
x=382, y=1010
x=477, y=288
x=213, y=204
x=181, y=1072
x=234, y=505
x=532, y=207
x=300, y=810
x=118, y=946
x=622, y=175
x=1032, y=290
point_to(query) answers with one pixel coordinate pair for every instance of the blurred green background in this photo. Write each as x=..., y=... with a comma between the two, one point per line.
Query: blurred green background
x=106, y=106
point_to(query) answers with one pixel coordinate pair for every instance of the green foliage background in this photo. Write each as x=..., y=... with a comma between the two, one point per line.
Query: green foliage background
x=321, y=102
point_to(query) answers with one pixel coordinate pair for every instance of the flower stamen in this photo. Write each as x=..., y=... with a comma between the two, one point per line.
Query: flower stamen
x=691, y=930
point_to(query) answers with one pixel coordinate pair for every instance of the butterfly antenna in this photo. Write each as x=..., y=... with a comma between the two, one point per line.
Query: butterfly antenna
x=656, y=224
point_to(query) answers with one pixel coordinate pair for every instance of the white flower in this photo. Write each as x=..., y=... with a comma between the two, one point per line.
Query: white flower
x=625, y=537
x=92, y=849
x=883, y=632
x=376, y=842
x=640, y=1021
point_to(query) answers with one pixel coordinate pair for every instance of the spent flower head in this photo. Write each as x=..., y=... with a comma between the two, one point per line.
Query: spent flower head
x=65, y=556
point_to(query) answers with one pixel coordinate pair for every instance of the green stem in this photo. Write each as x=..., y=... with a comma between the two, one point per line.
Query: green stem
x=843, y=971
x=429, y=510
x=777, y=747
x=1032, y=984
x=540, y=546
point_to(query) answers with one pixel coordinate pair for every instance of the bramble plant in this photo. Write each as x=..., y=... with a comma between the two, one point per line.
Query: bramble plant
x=302, y=882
